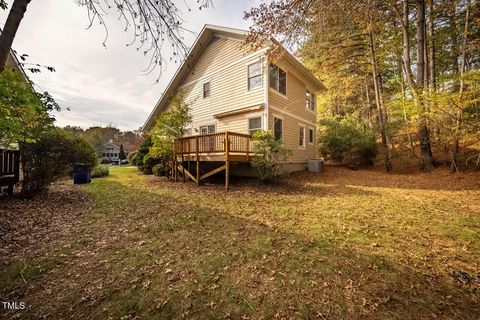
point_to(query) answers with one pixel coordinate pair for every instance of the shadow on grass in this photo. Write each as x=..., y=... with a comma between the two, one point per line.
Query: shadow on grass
x=342, y=181
x=149, y=255
x=308, y=186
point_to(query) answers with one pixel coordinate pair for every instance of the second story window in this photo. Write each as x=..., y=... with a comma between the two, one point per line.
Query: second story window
x=206, y=90
x=310, y=101
x=255, y=75
x=278, y=79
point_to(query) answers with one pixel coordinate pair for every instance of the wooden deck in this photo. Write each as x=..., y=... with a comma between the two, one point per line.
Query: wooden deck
x=215, y=147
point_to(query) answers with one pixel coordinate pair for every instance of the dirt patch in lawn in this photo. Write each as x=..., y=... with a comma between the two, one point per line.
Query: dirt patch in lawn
x=29, y=226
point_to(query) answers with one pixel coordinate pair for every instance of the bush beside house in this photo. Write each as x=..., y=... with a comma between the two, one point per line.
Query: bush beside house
x=269, y=153
x=346, y=140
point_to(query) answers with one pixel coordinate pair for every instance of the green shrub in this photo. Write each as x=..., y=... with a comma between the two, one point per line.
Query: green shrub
x=139, y=157
x=100, y=171
x=269, y=152
x=22, y=113
x=149, y=162
x=345, y=139
x=157, y=170
x=132, y=157
x=51, y=156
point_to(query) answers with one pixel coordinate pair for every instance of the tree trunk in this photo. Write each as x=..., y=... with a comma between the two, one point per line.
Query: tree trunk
x=407, y=65
x=379, y=103
x=431, y=47
x=453, y=34
x=454, y=164
x=423, y=132
x=369, y=107
x=405, y=118
x=14, y=18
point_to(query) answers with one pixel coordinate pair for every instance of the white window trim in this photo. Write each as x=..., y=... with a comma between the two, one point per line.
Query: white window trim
x=314, y=97
x=286, y=82
x=301, y=125
x=210, y=89
x=273, y=126
x=261, y=74
x=254, y=117
x=311, y=143
x=207, y=125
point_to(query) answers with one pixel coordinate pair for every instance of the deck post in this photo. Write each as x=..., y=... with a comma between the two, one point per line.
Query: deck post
x=227, y=160
x=175, y=169
x=197, y=160
x=183, y=163
x=183, y=168
x=248, y=149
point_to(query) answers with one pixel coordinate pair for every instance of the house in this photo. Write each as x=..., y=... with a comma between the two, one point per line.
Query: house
x=110, y=152
x=231, y=89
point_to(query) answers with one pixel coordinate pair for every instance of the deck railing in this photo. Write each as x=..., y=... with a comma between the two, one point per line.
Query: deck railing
x=228, y=145
x=214, y=143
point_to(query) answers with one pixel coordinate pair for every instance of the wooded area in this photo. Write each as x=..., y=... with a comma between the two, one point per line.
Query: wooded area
x=408, y=71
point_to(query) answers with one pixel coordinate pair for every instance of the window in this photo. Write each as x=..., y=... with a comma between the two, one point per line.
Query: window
x=254, y=75
x=207, y=144
x=310, y=101
x=311, y=135
x=207, y=129
x=103, y=154
x=301, y=141
x=278, y=79
x=206, y=90
x=116, y=154
x=254, y=124
x=278, y=128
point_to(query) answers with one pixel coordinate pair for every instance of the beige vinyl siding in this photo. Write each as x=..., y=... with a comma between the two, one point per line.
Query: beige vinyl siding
x=294, y=113
x=228, y=86
x=219, y=53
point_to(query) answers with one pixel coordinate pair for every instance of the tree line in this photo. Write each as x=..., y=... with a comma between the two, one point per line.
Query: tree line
x=406, y=70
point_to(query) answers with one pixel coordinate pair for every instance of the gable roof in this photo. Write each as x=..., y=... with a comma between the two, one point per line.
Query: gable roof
x=110, y=144
x=197, y=49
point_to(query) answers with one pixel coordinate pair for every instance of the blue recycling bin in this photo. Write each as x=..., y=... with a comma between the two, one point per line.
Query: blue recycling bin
x=81, y=173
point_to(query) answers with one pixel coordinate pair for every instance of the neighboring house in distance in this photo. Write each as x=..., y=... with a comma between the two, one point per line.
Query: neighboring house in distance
x=110, y=152
x=230, y=88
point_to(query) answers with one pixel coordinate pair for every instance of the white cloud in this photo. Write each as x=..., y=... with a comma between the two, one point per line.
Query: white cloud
x=103, y=85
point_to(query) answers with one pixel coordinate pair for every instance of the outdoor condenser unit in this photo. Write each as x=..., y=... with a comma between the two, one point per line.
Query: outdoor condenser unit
x=316, y=165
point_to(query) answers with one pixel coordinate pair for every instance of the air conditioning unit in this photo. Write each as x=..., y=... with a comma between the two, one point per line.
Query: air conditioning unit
x=316, y=165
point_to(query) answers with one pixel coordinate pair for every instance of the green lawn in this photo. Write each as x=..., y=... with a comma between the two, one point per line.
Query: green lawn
x=336, y=245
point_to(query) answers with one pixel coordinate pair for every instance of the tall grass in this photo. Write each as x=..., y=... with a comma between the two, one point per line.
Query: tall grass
x=100, y=171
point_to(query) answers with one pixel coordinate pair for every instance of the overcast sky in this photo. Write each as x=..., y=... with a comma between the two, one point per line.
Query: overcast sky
x=103, y=86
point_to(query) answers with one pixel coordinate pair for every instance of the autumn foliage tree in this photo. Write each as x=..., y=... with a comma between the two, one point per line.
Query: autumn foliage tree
x=404, y=68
